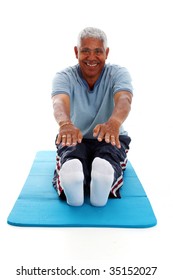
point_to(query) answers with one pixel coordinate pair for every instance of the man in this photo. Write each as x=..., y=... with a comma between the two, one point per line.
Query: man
x=91, y=100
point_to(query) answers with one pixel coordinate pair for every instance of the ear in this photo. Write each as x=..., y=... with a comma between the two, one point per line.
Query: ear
x=76, y=51
x=107, y=52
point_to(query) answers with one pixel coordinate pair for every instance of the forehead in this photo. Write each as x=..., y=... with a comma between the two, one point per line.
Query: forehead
x=91, y=43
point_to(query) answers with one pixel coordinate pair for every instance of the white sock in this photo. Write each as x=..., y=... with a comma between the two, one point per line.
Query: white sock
x=71, y=177
x=102, y=176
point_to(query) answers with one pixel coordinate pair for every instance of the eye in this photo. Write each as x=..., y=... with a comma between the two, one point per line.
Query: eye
x=98, y=51
x=85, y=51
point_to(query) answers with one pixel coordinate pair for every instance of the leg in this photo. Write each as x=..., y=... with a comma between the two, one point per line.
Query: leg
x=117, y=159
x=102, y=177
x=71, y=178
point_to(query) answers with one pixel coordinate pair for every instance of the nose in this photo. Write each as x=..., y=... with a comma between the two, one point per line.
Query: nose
x=92, y=54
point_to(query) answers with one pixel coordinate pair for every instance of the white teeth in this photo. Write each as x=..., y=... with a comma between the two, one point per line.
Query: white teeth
x=92, y=65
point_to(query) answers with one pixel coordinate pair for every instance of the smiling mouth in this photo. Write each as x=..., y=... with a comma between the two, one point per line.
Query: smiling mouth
x=91, y=64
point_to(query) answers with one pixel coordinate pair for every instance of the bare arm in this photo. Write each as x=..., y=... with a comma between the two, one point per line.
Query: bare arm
x=68, y=133
x=110, y=130
x=61, y=107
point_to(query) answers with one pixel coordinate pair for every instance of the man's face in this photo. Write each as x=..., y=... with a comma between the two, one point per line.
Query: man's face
x=91, y=56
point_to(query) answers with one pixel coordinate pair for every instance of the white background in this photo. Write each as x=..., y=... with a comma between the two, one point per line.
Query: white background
x=36, y=40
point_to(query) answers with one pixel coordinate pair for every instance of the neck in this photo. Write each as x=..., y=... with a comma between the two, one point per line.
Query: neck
x=90, y=80
x=91, y=83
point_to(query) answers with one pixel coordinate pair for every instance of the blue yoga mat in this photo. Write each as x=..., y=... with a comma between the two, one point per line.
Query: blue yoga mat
x=38, y=204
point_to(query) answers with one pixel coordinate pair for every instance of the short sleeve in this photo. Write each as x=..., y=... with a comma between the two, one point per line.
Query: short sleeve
x=60, y=84
x=122, y=80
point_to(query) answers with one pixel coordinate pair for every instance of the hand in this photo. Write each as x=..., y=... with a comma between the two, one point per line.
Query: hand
x=69, y=135
x=108, y=131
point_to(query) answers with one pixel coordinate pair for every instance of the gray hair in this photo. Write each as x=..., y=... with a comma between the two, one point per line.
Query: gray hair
x=92, y=32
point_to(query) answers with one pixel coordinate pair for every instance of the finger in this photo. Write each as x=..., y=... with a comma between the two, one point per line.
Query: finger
x=96, y=130
x=102, y=133
x=117, y=142
x=74, y=140
x=58, y=140
x=79, y=138
x=100, y=136
x=64, y=139
x=107, y=138
x=69, y=140
x=113, y=140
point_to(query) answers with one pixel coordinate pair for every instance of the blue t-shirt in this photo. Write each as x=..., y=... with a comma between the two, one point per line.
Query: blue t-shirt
x=91, y=107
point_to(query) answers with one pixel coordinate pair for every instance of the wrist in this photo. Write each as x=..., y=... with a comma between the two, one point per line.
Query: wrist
x=63, y=123
x=115, y=121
